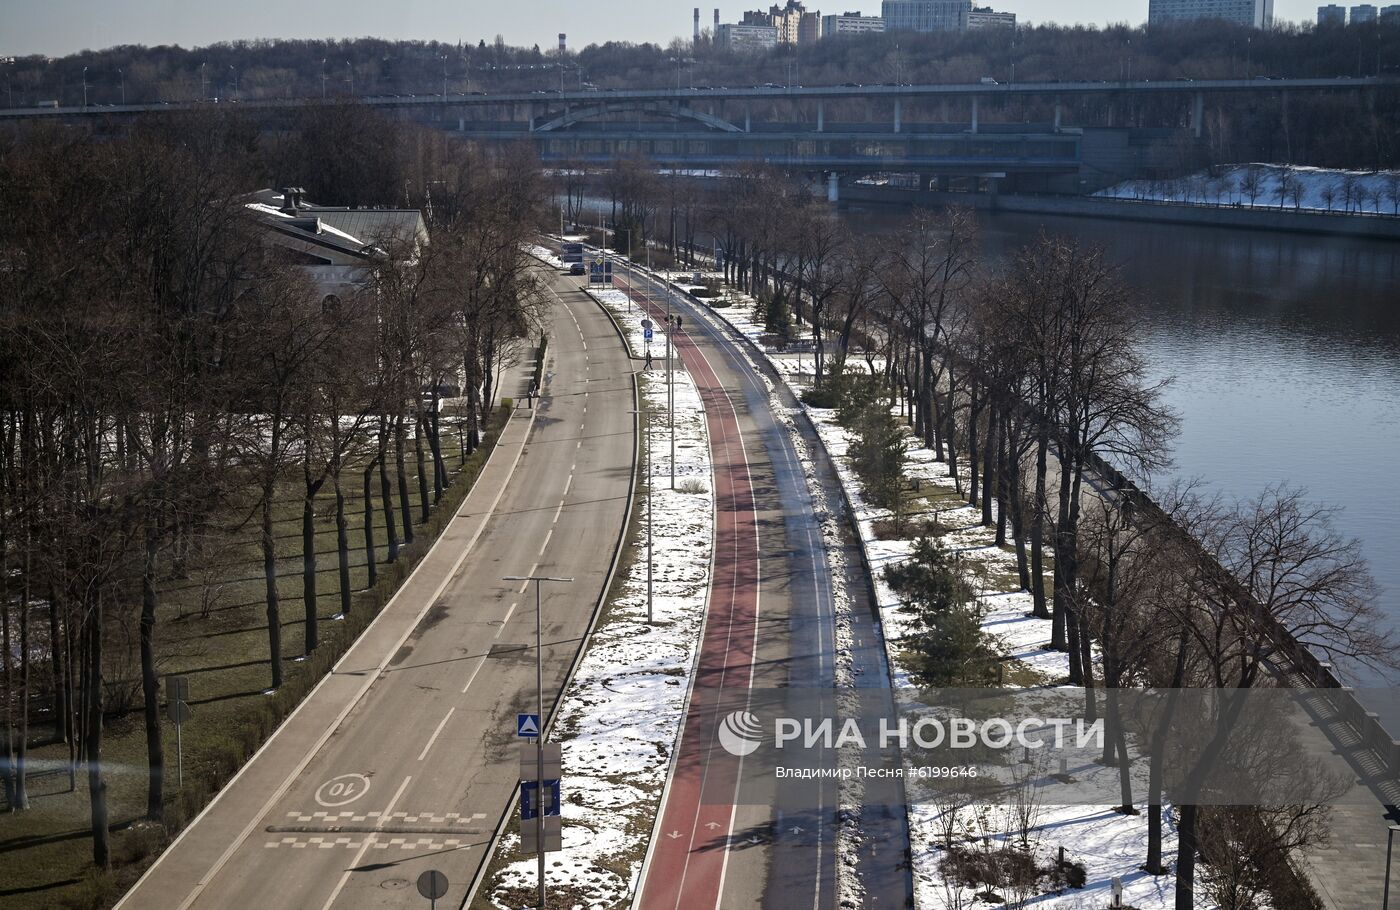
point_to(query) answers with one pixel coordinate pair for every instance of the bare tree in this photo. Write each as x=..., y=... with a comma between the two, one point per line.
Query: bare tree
x=1277, y=577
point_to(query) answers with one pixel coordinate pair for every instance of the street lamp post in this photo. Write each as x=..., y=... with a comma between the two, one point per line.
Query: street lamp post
x=350, y=77
x=203, y=91
x=670, y=383
x=85, y=69
x=121, y=74
x=647, y=469
x=1389, y=842
x=323, y=78
x=539, y=709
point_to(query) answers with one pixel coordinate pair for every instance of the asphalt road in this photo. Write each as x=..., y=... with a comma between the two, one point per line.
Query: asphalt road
x=771, y=624
x=405, y=758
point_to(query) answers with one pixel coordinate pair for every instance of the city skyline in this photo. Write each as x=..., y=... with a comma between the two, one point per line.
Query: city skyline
x=61, y=27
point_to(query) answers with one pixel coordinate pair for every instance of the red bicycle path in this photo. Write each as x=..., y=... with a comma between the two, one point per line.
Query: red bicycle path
x=687, y=862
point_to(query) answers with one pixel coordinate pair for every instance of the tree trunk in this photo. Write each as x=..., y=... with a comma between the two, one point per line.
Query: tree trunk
x=405, y=510
x=10, y=770
x=370, y=567
x=1120, y=740
x=1154, y=775
x=22, y=749
x=342, y=539
x=990, y=472
x=1186, y=858
x=1037, y=581
x=974, y=463
x=274, y=611
x=952, y=420
x=308, y=565
x=1059, y=633
x=435, y=447
x=62, y=722
x=92, y=736
x=422, y=466
x=386, y=493
x=150, y=686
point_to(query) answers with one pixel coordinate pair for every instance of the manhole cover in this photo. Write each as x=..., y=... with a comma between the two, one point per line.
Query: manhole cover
x=394, y=884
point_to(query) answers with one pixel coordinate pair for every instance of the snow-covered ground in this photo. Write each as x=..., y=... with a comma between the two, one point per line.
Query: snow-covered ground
x=621, y=714
x=1274, y=187
x=850, y=837
x=1107, y=844
x=546, y=255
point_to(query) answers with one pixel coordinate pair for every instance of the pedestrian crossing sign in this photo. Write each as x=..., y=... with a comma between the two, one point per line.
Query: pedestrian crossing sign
x=527, y=725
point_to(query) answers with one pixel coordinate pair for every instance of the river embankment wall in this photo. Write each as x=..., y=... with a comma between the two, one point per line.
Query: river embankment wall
x=1371, y=227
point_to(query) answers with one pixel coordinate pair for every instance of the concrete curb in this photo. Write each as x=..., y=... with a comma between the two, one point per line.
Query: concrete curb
x=509, y=812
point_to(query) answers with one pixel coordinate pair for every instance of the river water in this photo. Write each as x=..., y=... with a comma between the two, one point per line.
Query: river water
x=1285, y=354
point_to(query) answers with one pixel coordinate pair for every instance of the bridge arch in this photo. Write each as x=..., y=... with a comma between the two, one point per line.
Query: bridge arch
x=673, y=111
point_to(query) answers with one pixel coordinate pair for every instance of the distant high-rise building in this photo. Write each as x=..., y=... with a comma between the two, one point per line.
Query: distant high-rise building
x=794, y=24
x=1364, y=12
x=746, y=37
x=1255, y=13
x=695, y=39
x=924, y=15
x=851, y=24
x=1391, y=13
x=1331, y=15
x=563, y=43
x=985, y=17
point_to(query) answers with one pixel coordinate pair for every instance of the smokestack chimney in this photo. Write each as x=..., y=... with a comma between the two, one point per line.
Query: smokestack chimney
x=562, y=43
x=697, y=25
x=716, y=20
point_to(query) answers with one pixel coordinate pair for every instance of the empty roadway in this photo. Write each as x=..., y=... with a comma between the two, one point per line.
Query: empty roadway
x=405, y=758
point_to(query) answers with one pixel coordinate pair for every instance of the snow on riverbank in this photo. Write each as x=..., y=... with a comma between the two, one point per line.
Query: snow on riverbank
x=620, y=717
x=1107, y=844
x=1272, y=186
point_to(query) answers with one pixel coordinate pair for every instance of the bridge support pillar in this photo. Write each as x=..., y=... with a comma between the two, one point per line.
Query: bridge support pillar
x=461, y=124
x=975, y=113
x=821, y=116
x=833, y=187
x=1198, y=114
x=1059, y=114
x=898, y=112
x=748, y=118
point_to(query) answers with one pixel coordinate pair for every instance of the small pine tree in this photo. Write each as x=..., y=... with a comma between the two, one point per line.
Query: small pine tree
x=779, y=317
x=946, y=644
x=877, y=455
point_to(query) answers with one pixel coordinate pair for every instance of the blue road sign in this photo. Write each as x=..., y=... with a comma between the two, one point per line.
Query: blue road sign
x=646, y=323
x=529, y=799
x=527, y=725
x=647, y=333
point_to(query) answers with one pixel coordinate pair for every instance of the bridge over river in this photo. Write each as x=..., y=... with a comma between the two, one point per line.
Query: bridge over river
x=1027, y=137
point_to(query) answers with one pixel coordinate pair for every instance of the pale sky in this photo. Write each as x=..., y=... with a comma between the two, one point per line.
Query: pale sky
x=58, y=27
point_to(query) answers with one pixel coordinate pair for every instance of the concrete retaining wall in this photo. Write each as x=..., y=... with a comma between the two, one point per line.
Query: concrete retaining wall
x=1362, y=226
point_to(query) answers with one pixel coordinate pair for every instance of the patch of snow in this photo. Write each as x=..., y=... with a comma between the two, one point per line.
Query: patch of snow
x=621, y=715
x=1109, y=845
x=1279, y=187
